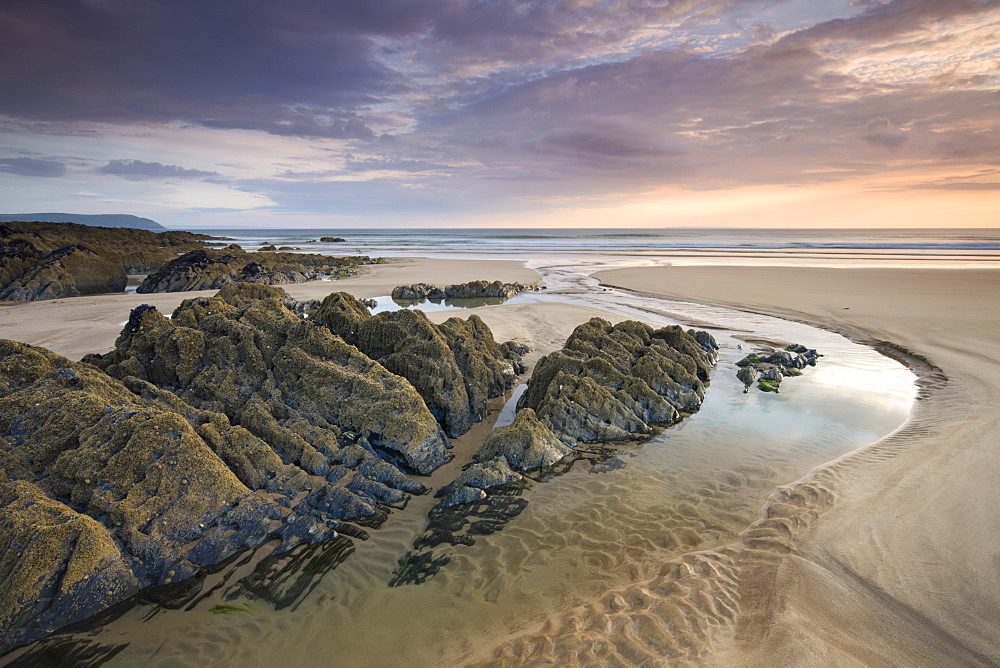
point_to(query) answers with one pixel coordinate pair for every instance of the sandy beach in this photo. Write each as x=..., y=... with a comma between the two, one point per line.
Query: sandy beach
x=80, y=325
x=887, y=556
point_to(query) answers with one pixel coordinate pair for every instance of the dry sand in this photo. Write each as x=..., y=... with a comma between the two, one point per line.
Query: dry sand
x=888, y=556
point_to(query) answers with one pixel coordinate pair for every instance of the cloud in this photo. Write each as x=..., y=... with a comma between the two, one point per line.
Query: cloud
x=32, y=167
x=137, y=170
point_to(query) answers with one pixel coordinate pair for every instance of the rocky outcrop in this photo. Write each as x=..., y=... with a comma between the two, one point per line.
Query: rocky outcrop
x=608, y=383
x=70, y=271
x=470, y=290
x=207, y=269
x=526, y=444
x=455, y=366
x=332, y=240
x=51, y=260
x=770, y=367
x=293, y=383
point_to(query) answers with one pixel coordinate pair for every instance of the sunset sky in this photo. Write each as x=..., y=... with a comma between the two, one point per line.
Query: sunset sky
x=441, y=113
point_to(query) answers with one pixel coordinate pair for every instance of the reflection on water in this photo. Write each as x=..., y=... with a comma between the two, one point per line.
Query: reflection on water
x=391, y=304
x=431, y=587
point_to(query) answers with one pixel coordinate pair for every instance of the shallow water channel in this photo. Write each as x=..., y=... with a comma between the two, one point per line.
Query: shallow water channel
x=610, y=518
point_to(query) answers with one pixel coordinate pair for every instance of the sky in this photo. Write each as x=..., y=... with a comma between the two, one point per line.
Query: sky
x=504, y=113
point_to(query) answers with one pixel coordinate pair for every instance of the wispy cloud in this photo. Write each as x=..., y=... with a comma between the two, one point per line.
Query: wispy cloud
x=139, y=170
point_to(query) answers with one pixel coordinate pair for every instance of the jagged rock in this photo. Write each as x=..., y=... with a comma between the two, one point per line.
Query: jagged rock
x=288, y=381
x=526, y=444
x=24, y=245
x=331, y=240
x=608, y=383
x=513, y=352
x=455, y=366
x=417, y=292
x=470, y=290
x=747, y=374
x=206, y=269
x=772, y=373
x=70, y=271
x=104, y=490
x=771, y=368
x=244, y=294
x=473, y=482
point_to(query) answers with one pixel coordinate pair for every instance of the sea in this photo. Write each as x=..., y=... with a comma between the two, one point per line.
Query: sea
x=944, y=248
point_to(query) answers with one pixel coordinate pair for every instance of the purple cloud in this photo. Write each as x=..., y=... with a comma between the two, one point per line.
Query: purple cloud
x=32, y=167
x=136, y=170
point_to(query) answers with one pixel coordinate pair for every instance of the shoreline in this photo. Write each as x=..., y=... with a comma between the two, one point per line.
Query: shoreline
x=839, y=569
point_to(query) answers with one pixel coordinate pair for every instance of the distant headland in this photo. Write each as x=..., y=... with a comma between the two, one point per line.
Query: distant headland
x=94, y=220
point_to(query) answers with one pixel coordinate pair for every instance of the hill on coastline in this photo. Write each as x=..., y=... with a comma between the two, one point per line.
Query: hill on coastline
x=93, y=220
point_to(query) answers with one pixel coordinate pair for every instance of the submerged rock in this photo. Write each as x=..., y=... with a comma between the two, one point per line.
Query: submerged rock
x=205, y=269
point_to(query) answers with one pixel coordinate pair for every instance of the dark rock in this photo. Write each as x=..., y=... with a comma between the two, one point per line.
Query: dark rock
x=291, y=383
x=70, y=271
x=470, y=290
x=470, y=486
x=331, y=240
x=206, y=269
x=267, y=247
x=747, y=374
x=526, y=444
x=455, y=366
x=608, y=383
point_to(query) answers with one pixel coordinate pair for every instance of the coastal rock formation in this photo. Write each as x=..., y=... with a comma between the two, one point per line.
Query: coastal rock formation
x=55, y=260
x=770, y=368
x=470, y=290
x=525, y=444
x=293, y=383
x=332, y=240
x=206, y=269
x=455, y=366
x=608, y=383
x=70, y=271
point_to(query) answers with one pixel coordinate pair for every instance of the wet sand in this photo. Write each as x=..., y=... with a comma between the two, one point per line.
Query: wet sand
x=887, y=556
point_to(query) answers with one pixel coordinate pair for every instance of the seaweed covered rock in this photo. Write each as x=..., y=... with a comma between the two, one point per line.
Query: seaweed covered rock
x=292, y=383
x=472, y=484
x=205, y=269
x=106, y=490
x=243, y=294
x=526, y=444
x=70, y=271
x=609, y=382
x=456, y=366
x=470, y=290
x=55, y=260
